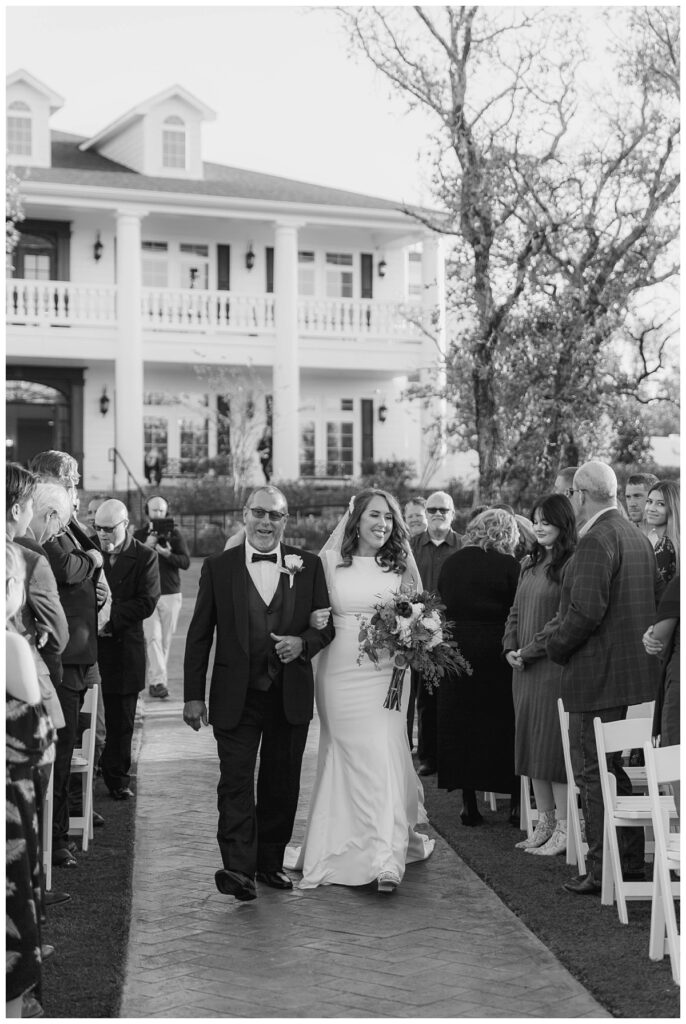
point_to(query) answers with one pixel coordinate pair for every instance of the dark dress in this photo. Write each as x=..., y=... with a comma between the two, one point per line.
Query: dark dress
x=538, y=743
x=30, y=743
x=476, y=713
x=667, y=720
x=665, y=556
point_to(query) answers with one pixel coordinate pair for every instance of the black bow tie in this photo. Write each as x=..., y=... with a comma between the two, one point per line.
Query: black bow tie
x=264, y=558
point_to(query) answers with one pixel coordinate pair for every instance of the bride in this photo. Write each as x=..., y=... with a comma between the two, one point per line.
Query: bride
x=366, y=798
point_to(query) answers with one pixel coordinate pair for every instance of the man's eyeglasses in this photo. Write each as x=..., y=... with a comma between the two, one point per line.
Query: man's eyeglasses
x=274, y=517
x=108, y=529
x=578, y=490
x=437, y=510
x=569, y=492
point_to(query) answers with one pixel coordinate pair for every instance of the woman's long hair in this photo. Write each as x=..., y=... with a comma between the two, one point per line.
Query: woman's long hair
x=393, y=555
x=493, y=530
x=557, y=510
x=670, y=493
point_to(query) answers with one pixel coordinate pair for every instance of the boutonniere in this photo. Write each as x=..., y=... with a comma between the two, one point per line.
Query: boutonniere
x=291, y=565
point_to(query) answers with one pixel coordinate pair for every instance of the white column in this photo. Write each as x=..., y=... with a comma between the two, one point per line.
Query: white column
x=128, y=368
x=433, y=447
x=286, y=374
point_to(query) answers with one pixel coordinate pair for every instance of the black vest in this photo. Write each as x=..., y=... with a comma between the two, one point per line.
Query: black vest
x=265, y=667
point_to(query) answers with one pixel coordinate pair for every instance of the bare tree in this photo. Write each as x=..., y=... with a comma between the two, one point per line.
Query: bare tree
x=561, y=199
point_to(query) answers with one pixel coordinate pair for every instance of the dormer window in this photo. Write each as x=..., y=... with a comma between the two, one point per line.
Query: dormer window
x=174, y=142
x=19, y=129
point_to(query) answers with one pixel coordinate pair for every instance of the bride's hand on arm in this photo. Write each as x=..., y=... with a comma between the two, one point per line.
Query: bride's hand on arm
x=319, y=618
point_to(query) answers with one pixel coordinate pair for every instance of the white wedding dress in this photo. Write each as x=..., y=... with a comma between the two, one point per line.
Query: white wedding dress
x=366, y=797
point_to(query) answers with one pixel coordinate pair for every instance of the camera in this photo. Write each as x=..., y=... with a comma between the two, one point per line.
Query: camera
x=163, y=529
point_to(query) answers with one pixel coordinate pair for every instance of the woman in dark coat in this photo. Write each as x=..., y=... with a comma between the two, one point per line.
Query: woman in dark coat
x=475, y=713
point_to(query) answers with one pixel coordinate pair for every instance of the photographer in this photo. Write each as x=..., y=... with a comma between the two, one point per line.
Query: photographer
x=166, y=540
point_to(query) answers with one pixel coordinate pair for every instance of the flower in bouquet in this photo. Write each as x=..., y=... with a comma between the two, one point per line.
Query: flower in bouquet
x=410, y=627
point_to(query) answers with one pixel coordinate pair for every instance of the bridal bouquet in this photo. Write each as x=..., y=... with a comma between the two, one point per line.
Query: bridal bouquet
x=412, y=628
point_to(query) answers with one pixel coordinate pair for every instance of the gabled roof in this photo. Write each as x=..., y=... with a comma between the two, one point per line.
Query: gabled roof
x=71, y=164
x=20, y=75
x=141, y=109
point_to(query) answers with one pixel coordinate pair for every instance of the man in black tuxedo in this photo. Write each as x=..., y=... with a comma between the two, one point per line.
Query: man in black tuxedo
x=257, y=597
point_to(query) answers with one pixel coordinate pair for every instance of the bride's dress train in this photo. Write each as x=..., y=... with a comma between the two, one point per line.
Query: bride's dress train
x=367, y=798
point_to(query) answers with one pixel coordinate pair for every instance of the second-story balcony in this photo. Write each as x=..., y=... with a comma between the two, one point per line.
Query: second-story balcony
x=70, y=304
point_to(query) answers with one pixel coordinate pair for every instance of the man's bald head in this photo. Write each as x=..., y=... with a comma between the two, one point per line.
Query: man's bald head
x=598, y=480
x=111, y=520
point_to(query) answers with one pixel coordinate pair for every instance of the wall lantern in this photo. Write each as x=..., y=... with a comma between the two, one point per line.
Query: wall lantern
x=250, y=257
x=382, y=413
x=382, y=268
x=97, y=248
x=104, y=402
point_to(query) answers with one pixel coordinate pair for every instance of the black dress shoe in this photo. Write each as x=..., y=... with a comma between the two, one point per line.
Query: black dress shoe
x=276, y=879
x=64, y=859
x=471, y=818
x=583, y=885
x=46, y=951
x=53, y=896
x=426, y=768
x=235, y=883
x=121, y=794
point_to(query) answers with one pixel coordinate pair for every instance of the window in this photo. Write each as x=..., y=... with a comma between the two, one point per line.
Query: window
x=307, y=449
x=37, y=266
x=339, y=449
x=305, y=273
x=223, y=425
x=155, y=269
x=339, y=275
x=346, y=405
x=192, y=443
x=195, y=265
x=19, y=129
x=174, y=143
x=155, y=430
x=414, y=275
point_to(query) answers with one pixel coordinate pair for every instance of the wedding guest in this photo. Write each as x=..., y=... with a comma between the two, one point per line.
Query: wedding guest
x=29, y=745
x=415, y=515
x=564, y=481
x=430, y=550
x=535, y=679
x=635, y=494
x=476, y=713
x=94, y=504
x=663, y=639
x=608, y=595
x=662, y=526
x=134, y=581
x=364, y=767
x=261, y=690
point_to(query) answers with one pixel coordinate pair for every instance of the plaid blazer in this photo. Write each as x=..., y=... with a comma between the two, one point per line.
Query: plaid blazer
x=607, y=601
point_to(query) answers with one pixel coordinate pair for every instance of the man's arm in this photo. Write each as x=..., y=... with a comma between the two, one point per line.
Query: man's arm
x=178, y=556
x=128, y=611
x=68, y=564
x=315, y=640
x=43, y=600
x=589, y=597
x=199, y=639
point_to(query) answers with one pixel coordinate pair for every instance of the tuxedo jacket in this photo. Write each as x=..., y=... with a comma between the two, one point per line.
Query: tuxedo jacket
x=222, y=608
x=607, y=601
x=43, y=610
x=134, y=581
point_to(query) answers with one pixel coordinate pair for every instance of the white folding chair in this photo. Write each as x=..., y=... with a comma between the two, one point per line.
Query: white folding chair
x=83, y=764
x=663, y=765
x=528, y=815
x=622, y=811
x=576, y=847
x=47, y=830
x=490, y=799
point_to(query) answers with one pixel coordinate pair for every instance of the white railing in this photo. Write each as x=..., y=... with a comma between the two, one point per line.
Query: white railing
x=56, y=303
x=184, y=309
x=357, y=317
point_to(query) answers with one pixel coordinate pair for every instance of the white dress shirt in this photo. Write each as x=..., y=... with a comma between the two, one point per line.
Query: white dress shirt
x=265, y=575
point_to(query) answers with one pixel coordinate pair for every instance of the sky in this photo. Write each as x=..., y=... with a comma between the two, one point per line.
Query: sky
x=289, y=98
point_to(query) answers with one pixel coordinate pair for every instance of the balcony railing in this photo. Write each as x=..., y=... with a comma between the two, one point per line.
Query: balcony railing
x=61, y=303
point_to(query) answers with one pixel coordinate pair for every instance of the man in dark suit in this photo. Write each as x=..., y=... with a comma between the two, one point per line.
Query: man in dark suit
x=430, y=550
x=257, y=597
x=607, y=601
x=134, y=580
x=76, y=565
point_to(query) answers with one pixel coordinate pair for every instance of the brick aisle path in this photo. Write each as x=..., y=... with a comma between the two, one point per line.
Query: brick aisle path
x=443, y=946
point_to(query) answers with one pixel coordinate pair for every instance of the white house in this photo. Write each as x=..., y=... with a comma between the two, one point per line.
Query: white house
x=139, y=263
